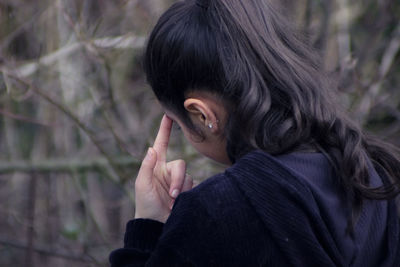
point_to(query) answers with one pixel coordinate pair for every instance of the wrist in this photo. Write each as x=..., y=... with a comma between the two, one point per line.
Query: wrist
x=154, y=217
x=142, y=233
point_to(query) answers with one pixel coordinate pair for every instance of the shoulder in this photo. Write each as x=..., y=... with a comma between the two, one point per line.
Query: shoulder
x=253, y=176
x=216, y=218
x=215, y=196
x=218, y=204
x=286, y=175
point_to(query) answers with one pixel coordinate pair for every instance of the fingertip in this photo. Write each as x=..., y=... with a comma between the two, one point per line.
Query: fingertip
x=175, y=193
x=168, y=117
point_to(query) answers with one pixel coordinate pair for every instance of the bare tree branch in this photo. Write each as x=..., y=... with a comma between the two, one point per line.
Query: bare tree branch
x=128, y=41
x=113, y=172
x=64, y=165
x=23, y=118
x=387, y=61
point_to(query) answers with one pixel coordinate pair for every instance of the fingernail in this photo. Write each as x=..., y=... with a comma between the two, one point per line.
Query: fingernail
x=175, y=193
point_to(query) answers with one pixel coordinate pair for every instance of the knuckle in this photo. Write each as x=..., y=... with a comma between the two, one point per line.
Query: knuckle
x=170, y=164
x=163, y=145
x=177, y=164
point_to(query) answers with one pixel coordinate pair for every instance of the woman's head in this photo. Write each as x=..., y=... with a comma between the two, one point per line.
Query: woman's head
x=245, y=53
x=268, y=83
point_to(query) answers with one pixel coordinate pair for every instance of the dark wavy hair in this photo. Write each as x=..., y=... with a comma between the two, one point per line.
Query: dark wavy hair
x=277, y=96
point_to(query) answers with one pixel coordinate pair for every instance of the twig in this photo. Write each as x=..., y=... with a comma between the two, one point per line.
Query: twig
x=29, y=257
x=104, y=106
x=8, y=39
x=307, y=17
x=88, y=210
x=127, y=41
x=390, y=53
x=45, y=251
x=76, y=120
x=320, y=42
x=64, y=165
x=386, y=63
x=343, y=35
x=23, y=118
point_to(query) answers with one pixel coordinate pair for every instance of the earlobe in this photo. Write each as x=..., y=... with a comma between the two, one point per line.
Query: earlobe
x=200, y=111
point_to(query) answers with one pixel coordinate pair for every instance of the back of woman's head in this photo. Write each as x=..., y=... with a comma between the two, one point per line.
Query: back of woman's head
x=276, y=95
x=245, y=52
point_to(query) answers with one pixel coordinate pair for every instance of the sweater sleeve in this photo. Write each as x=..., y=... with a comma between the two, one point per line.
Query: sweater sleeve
x=152, y=243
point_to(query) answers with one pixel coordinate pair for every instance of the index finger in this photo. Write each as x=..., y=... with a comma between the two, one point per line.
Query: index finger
x=162, y=139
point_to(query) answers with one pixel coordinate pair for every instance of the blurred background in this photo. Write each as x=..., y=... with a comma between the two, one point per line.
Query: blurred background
x=76, y=114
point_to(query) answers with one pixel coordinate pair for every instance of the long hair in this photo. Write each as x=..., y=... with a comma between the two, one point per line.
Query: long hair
x=278, y=98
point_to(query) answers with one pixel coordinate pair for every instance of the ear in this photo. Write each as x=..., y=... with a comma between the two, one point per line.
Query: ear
x=201, y=112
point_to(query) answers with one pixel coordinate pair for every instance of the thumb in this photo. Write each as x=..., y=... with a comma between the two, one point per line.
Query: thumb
x=146, y=170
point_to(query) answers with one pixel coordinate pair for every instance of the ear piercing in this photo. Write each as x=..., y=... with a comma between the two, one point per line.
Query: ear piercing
x=210, y=125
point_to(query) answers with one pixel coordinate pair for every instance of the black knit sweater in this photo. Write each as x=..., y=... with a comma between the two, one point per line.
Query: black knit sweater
x=266, y=211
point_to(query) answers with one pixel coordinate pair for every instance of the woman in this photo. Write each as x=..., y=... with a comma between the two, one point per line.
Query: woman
x=304, y=185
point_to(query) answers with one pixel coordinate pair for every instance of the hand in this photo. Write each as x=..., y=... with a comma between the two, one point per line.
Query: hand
x=159, y=183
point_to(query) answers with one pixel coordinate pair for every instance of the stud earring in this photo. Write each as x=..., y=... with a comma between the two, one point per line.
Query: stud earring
x=210, y=125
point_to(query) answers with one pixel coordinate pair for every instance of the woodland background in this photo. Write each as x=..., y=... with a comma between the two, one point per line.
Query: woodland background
x=76, y=114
